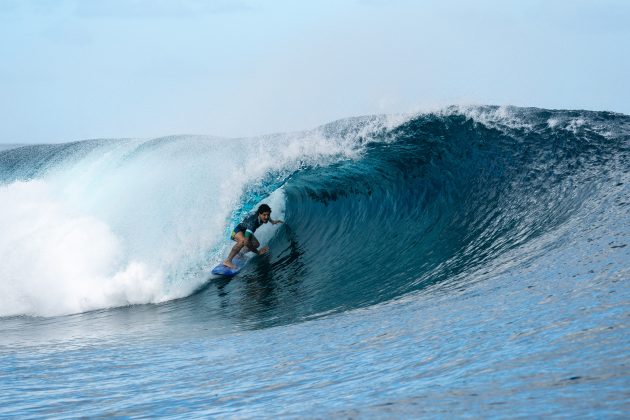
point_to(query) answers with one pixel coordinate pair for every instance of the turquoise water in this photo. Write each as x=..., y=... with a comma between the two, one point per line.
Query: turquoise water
x=472, y=262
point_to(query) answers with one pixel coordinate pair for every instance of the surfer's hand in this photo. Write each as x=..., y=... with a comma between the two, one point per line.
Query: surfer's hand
x=275, y=222
x=263, y=250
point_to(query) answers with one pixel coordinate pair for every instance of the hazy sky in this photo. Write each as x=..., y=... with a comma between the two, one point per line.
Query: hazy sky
x=77, y=69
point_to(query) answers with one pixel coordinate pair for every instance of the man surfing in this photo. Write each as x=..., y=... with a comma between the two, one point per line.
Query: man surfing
x=243, y=233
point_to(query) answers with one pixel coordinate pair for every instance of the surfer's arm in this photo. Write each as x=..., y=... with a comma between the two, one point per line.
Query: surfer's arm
x=254, y=246
x=258, y=251
x=275, y=222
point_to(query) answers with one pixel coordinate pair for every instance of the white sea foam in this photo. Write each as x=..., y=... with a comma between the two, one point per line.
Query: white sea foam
x=553, y=122
x=56, y=260
x=138, y=222
x=496, y=117
x=576, y=125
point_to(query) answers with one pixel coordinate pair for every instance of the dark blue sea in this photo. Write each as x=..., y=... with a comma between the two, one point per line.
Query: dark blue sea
x=469, y=262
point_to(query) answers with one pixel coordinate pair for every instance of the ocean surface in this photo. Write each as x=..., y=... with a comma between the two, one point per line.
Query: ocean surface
x=469, y=262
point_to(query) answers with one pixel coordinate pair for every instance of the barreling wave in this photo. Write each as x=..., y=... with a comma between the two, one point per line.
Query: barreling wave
x=444, y=196
x=105, y=223
x=375, y=207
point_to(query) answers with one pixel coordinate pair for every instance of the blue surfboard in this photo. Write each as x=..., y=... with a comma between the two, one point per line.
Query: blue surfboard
x=223, y=270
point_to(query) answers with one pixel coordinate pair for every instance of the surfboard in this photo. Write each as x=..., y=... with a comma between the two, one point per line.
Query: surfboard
x=223, y=270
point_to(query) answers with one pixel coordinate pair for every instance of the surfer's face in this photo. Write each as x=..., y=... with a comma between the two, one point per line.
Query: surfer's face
x=264, y=217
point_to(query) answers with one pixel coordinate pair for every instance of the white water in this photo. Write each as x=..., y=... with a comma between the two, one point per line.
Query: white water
x=137, y=221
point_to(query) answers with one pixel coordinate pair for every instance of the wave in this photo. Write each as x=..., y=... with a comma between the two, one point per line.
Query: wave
x=375, y=207
x=112, y=222
x=445, y=196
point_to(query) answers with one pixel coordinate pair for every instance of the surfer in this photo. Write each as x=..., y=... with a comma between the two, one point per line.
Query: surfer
x=243, y=233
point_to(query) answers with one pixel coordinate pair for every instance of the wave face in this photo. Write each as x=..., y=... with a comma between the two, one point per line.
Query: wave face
x=375, y=208
x=444, y=196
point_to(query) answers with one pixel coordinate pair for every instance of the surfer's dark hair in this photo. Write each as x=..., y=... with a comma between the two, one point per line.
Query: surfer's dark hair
x=264, y=209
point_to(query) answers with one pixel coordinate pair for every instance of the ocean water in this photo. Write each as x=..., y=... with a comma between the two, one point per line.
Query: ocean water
x=469, y=262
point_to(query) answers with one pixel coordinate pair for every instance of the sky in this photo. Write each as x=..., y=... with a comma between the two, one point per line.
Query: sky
x=81, y=69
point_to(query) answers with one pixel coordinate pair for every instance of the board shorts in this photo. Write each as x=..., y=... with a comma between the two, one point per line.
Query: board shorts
x=246, y=233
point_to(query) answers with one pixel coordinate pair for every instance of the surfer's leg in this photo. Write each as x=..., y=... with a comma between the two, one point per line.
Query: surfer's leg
x=253, y=244
x=240, y=242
